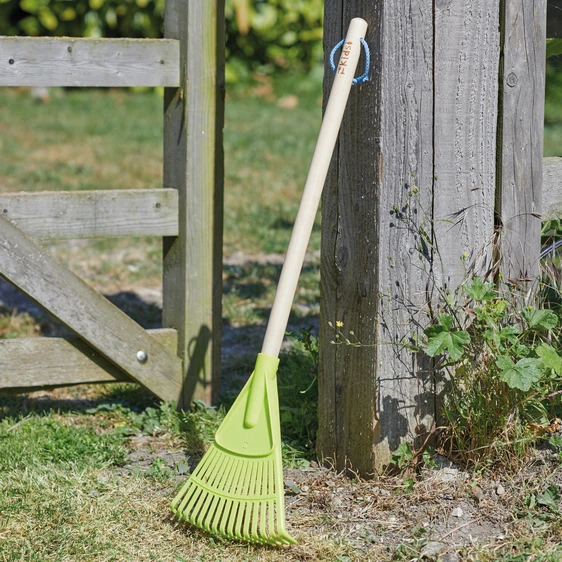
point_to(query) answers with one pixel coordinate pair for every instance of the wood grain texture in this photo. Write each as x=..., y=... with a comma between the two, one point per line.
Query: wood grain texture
x=65, y=61
x=372, y=278
x=404, y=389
x=87, y=313
x=193, y=164
x=419, y=181
x=520, y=138
x=467, y=49
x=328, y=400
x=30, y=363
x=552, y=189
x=93, y=214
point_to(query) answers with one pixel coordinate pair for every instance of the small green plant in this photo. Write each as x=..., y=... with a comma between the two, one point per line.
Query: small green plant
x=159, y=471
x=298, y=397
x=502, y=370
x=556, y=443
x=403, y=456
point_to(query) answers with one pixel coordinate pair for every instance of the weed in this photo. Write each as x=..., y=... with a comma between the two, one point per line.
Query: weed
x=501, y=365
x=160, y=472
x=14, y=325
x=298, y=397
x=198, y=426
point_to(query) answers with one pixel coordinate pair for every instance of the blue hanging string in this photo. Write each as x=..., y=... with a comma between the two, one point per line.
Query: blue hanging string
x=365, y=76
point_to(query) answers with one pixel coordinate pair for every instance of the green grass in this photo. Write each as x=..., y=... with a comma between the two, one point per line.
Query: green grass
x=38, y=442
x=98, y=139
x=112, y=139
x=553, y=109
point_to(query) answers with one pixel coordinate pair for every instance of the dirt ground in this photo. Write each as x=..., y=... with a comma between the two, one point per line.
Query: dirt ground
x=441, y=514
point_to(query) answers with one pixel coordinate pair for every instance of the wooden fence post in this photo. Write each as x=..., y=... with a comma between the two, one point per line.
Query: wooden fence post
x=408, y=211
x=520, y=137
x=193, y=164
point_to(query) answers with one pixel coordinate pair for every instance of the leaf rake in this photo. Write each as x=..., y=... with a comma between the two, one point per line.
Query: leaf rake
x=237, y=488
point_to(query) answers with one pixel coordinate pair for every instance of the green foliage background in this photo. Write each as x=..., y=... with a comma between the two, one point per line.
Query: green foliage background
x=274, y=34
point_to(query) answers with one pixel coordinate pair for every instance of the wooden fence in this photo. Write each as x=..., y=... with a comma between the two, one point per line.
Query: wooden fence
x=181, y=361
x=438, y=171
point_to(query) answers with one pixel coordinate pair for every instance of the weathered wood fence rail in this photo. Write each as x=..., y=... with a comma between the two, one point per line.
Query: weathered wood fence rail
x=181, y=361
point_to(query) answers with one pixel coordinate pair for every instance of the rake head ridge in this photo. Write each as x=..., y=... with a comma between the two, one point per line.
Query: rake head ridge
x=237, y=489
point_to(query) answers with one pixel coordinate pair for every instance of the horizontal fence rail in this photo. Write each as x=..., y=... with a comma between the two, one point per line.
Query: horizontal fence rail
x=64, y=61
x=87, y=313
x=552, y=189
x=65, y=215
x=30, y=363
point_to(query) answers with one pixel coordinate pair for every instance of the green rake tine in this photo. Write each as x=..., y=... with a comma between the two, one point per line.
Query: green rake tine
x=203, y=465
x=232, y=519
x=216, y=498
x=190, y=503
x=219, y=508
x=263, y=524
x=271, y=529
x=201, y=510
x=201, y=507
x=226, y=516
x=188, y=499
x=246, y=492
x=255, y=494
x=255, y=512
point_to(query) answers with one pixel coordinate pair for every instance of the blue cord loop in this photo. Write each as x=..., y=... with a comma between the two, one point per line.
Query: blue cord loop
x=365, y=76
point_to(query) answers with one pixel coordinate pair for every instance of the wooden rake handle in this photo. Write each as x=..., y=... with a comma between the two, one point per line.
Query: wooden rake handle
x=304, y=222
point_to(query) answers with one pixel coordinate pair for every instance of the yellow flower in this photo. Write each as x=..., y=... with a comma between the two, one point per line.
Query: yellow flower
x=339, y=323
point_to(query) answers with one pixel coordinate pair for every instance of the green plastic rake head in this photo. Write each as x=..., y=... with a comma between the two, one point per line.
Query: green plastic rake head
x=237, y=488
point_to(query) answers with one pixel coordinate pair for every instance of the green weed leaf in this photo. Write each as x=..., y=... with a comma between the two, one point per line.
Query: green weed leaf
x=539, y=318
x=510, y=334
x=440, y=340
x=521, y=375
x=556, y=442
x=550, y=497
x=550, y=358
x=446, y=320
x=480, y=291
x=403, y=455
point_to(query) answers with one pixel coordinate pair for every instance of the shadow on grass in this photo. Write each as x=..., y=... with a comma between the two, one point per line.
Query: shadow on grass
x=75, y=400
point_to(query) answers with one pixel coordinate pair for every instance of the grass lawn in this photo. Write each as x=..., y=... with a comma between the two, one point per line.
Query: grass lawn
x=553, y=108
x=113, y=140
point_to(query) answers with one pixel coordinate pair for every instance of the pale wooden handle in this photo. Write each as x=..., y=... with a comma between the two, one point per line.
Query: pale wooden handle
x=304, y=222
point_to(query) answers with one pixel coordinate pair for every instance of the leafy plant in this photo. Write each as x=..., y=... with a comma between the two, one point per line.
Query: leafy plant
x=403, y=456
x=502, y=370
x=298, y=397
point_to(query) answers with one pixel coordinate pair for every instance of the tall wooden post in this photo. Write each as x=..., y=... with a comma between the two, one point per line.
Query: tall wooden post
x=520, y=138
x=409, y=211
x=193, y=164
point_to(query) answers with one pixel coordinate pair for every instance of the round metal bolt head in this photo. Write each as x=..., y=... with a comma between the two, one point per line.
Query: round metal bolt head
x=142, y=356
